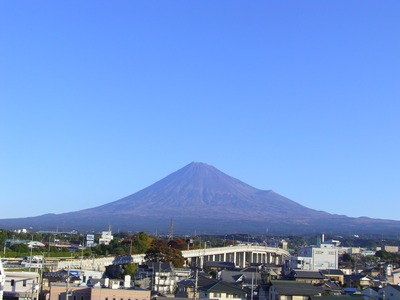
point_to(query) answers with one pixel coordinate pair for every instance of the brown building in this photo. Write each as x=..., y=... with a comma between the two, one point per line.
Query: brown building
x=59, y=292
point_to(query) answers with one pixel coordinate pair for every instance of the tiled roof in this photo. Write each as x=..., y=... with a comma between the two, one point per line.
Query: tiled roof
x=336, y=297
x=305, y=274
x=223, y=287
x=235, y=276
x=295, y=288
x=396, y=287
x=219, y=264
x=332, y=272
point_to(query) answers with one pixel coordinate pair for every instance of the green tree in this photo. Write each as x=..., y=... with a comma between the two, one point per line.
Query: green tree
x=346, y=259
x=20, y=248
x=382, y=254
x=119, y=251
x=141, y=243
x=129, y=269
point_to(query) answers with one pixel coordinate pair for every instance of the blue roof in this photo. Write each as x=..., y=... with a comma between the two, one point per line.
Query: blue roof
x=350, y=290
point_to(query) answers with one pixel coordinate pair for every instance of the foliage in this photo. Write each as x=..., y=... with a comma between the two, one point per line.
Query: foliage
x=346, y=257
x=387, y=256
x=20, y=248
x=129, y=269
x=141, y=243
x=160, y=251
x=178, y=244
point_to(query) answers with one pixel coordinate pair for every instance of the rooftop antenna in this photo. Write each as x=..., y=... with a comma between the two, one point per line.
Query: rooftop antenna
x=171, y=230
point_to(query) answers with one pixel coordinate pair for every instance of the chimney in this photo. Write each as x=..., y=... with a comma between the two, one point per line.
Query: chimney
x=323, y=238
x=127, y=281
x=107, y=282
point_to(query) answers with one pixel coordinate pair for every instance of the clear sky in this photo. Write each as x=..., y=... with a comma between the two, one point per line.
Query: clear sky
x=100, y=99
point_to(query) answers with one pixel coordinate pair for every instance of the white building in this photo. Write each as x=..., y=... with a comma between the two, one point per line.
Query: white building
x=314, y=258
x=106, y=237
x=22, y=285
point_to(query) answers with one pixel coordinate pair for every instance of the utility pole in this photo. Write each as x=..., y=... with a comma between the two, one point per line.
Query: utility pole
x=30, y=258
x=171, y=230
x=2, y=280
x=252, y=283
x=67, y=292
x=196, y=283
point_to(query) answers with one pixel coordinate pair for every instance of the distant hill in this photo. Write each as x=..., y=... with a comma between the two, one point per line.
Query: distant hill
x=200, y=198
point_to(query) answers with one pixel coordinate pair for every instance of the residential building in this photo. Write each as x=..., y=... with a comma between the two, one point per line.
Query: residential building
x=313, y=277
x=334, y=275
x=391, y=249
x=22, y=285
x=390, y=292
x=221, y=290
x=187, y=288
x=78, y=292
x=244, y=278
x=78, y=276
x=394, y=277
x=249, y=279
x=371, y=292
x=161, y=277
x=290, y=289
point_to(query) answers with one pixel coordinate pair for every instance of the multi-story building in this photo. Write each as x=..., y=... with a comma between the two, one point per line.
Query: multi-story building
x=106, y=237
x=22, y=285
x=324, y=256
x=161, y=277
x=391, y=249
x=76, y=292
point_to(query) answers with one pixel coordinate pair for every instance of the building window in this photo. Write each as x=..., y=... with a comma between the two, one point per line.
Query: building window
x=217, y=295
x=23, y=282
x=12, y=282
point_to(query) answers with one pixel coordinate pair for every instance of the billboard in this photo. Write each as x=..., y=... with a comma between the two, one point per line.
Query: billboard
x=89, y=239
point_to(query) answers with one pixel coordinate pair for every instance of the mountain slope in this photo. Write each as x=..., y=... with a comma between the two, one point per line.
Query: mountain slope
x=201, y=198
x=203, y=191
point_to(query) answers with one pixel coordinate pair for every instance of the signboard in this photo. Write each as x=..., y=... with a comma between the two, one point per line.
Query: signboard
x=33, y=265
x=89, y=239
x=74, y=273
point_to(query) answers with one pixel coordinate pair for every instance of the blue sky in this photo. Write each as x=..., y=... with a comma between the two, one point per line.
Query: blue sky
x=100, y=99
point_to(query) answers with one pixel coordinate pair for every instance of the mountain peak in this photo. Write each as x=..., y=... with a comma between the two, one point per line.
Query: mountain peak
x=199, y=165
x=201, y=197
